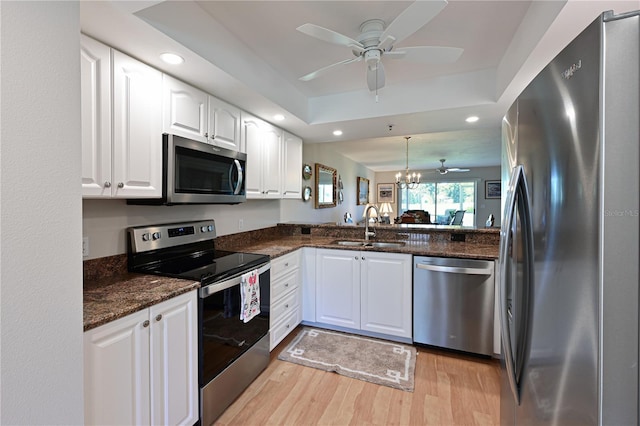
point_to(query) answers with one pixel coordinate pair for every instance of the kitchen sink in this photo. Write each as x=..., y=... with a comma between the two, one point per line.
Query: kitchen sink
x=381, y=244
x=387, y=244
x=350, y=243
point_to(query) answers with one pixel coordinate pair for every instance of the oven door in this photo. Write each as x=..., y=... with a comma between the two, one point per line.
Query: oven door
x=224, y=337
x=200, y=173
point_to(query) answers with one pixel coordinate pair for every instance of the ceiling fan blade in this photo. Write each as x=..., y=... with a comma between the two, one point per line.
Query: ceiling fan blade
x=427, y=54
x=375, y=77
x=321, y=71
x=456, y=169
x=412, y=19
x=330, y=36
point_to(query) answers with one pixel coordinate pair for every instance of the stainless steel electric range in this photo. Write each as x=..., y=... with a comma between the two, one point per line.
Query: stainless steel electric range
x=232, y=353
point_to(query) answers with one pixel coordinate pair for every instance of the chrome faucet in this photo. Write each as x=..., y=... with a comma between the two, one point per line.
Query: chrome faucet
x=368, y=233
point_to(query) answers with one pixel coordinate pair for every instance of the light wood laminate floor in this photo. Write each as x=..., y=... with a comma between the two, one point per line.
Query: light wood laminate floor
x=450, y=389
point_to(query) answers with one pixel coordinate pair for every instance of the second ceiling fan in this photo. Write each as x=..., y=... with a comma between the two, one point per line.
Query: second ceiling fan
x=376, y=42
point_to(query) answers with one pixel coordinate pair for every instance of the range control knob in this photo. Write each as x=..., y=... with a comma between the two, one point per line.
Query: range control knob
x=210, y=228
x=155, y=236
x=145, y=237
x=203, y=229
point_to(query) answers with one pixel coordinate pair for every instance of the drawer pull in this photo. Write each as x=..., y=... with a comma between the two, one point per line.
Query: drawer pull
x=286, y=306
x=286, y=264
x=288, y=325
x=158, y=317
x=286, y=284
x=145, y=324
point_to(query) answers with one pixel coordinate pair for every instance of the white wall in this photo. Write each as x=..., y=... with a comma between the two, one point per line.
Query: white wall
x=40, y=214
x=105, y=221
x=348, y=170
x=481, y=174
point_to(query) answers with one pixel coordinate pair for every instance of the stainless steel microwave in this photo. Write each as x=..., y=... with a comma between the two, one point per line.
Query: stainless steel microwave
x=198, y=173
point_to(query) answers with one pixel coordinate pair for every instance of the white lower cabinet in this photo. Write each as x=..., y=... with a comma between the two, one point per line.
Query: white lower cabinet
x=143, y=369
x=364, y=290
x=286, y=293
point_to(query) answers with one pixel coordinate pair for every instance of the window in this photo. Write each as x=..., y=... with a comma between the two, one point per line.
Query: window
x=441, y=200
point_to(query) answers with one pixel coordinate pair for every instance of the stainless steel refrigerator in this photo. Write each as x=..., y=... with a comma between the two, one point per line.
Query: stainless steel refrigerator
x=569, y=251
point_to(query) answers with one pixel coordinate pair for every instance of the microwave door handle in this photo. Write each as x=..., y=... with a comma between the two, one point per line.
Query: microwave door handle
x=238, y=187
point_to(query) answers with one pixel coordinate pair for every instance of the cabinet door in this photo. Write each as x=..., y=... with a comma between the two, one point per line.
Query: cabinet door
x=116, y=372
x=174, y=362
x=184, y=109
x=95, y=102
x=224, y=125
x=338, y=287
x=386, y=293
x=292, y=167
x=271, y=161
x=309, y=284
x=252, y=141
x=137, y=127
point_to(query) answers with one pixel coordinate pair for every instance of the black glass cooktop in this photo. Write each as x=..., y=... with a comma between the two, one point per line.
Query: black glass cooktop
x=206, y=267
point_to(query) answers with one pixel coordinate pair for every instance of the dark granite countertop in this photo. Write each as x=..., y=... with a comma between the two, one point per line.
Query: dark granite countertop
x=110, y=292
x=283, y=245
x=110, y=297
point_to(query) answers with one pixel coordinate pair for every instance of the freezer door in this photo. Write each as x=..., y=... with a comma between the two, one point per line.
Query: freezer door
x=558, y=148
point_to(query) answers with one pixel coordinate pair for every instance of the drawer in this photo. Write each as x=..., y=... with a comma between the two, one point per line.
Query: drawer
x=283, y=264
x=282, y=307
x=283, y=285
x=282, y=329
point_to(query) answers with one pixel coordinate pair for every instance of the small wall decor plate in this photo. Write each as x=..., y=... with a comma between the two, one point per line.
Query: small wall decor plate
x=306, y=193
x=306, y=172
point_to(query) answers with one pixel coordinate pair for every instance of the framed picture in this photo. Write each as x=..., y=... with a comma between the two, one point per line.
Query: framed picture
x=387, y=193
x=492, y=189
x=363, y=191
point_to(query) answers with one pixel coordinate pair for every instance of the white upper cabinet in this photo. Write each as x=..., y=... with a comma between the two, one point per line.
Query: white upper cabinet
x=121, y=153
x=184, y=109
x=224, y=125
x=191, y=113
x=137, y=128
x=292, y=167
x=95, y=101
x=264, y=158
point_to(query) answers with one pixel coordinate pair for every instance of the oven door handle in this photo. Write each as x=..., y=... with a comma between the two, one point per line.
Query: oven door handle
x=230, y=282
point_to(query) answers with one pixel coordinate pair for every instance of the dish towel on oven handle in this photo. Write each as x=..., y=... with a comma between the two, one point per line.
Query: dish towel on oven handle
x=250, y=295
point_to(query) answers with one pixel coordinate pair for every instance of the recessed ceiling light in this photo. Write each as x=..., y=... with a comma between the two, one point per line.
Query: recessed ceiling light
x=278, y=117
x=472, y=119
x=337, y=133
x=172, y=58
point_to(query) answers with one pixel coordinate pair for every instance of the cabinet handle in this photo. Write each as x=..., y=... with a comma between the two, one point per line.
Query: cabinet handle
x=287, y=325
x=107, y=184
x=286, y=306
x=286, y=264
x=145, y=324
x=206, y=135
x=120, y=185
x=158, y=317
x=362, y=257
x=355, y=257
x=286, y=284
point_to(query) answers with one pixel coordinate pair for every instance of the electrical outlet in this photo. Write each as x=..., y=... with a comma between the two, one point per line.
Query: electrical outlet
x=240, y=224
x=85, y=246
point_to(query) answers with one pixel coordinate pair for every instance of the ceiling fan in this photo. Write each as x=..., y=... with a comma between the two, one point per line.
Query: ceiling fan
x=375, y=42
x=444, y=170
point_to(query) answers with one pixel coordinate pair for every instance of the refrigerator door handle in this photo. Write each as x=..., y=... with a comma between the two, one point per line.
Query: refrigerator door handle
x=517, y=197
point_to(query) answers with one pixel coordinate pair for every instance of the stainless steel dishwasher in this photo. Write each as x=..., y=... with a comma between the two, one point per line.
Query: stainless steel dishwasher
x=453, y=303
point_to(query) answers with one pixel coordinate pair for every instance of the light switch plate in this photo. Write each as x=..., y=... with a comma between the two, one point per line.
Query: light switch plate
x=85, y=246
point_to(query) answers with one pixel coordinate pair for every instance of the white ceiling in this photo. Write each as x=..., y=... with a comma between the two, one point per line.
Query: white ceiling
x=250, y=54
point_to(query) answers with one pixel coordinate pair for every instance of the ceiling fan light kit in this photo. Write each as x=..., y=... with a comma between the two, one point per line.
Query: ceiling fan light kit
x=411, y=180
x=375, y=42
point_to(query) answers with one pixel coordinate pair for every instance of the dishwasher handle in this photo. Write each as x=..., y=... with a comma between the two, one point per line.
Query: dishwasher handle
x=455, y=269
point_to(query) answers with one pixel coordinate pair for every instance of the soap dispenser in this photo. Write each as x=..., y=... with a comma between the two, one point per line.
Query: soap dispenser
x=490, y=221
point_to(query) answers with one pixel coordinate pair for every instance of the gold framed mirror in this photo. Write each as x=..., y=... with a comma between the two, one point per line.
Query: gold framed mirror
x=325, y=193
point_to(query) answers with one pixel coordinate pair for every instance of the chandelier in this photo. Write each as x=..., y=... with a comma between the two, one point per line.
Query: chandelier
x=410, y=180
